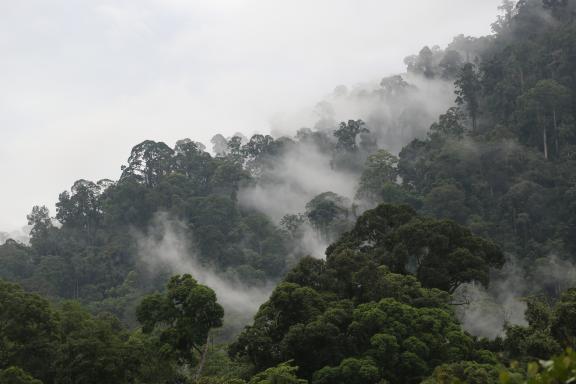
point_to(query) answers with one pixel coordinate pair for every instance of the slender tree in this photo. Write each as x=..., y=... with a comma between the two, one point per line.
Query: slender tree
x=468, y=88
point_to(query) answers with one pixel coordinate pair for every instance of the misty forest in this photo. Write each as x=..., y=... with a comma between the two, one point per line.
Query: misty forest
x=423, y=230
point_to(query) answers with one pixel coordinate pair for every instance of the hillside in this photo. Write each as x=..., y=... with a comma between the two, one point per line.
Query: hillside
x=428, y=237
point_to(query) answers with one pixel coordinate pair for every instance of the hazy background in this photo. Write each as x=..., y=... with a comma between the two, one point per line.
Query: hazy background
x=82, y=81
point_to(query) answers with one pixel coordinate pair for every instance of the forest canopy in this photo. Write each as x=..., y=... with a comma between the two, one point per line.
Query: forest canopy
x=345, y=253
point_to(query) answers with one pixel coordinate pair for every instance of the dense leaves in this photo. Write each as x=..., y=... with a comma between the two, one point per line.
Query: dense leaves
x=499, y=164
x=184, y=316
x=350, y=319
x=441, y=254
x=67, y=345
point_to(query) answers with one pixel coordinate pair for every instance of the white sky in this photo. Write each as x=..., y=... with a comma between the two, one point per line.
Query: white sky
x=82, y=81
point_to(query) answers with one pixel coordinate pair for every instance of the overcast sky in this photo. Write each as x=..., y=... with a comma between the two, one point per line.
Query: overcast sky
x=82, y=81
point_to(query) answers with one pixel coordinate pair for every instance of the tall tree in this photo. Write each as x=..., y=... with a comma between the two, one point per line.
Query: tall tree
x=328, y=213
x=546, y=104
x=381, y=169
x=41, y=223
x=347, y=134
x=81, y=209
x=183, y=316
x=468, y=88
x=148, y=162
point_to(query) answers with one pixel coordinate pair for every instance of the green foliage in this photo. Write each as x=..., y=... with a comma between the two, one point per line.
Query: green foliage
x=93, y=350
x=379, y=171
x=218, y=365
x=149, y=161
x=559, y=370
x=218, y=380
x=39, y=343
x=464, y=372
x=349, y=319
x=441, y=254
x=449, y=125
x=550, y=328
x=184, y=316
x=16, y=261
x=14, y=375
x=468, y=87
x=347, y=134
x=28, y=332
x=350, y=371
x=353, y=144
x=91, y=254
x=542, y=109
x=282, y=374
x=564, y=319
x=41, y=224
x=377, y=310
x=495, y=179
x=328, y=213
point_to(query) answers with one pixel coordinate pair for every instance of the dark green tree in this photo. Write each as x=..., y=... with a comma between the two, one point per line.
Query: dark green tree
x=15, y=375
x=380, y=170
x=449, y=125
x=148, y=162
x=183, y=316
x=282, y=374
x=28, y=332
x=442, y=254
x=347, y=135
x=328, y=213
x=468, y=87
x=544, y=106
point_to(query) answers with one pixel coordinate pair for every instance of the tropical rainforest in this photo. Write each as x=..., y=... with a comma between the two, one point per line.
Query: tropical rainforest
x=398, y=263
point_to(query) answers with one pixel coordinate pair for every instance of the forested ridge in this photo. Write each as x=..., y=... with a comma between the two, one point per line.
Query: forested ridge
x=359, y=251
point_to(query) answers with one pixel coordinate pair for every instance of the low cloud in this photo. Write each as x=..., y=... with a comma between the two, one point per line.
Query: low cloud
x=167, y=247
x=503, y=302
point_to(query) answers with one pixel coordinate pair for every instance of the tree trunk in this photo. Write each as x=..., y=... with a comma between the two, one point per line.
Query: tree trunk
x=525, y=236
x=514, y=221
x=542, y=122
x=198, y=373
x=556, y=133
x=545, y=140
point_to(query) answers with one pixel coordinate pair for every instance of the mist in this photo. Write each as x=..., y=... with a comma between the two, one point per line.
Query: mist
x=167, y=247
x=363, y=191
x=396, y=110
x=485, y=312
x=75, y=74
x=394, y=114
x=21, y=235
